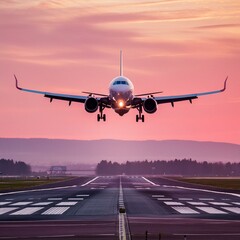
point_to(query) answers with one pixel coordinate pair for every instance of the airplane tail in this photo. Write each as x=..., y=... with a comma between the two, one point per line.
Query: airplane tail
x=121, y=64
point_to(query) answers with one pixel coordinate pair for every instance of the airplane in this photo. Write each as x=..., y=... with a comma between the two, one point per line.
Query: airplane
x=121, y=97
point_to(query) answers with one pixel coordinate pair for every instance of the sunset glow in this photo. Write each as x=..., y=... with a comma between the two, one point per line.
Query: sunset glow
x=70, y=46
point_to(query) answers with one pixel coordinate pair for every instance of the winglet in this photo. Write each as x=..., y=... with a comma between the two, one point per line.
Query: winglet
x=225, y=84
x=17, y=83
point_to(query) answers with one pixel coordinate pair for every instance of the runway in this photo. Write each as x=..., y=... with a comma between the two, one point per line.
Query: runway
x=156, y=208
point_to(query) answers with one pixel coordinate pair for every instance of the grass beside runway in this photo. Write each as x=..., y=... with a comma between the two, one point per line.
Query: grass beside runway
x=10, y=184
x=226, y=183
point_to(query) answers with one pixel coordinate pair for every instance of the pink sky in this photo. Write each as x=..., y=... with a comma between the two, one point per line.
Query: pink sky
x=71, y=46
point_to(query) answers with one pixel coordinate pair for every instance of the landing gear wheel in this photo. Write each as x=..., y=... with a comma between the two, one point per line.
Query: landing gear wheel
x=98, y=117
x=104, y=117
x=143, y=118
x=136, y=118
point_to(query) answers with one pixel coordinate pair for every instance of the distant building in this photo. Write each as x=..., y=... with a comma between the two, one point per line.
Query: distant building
x=58, y=170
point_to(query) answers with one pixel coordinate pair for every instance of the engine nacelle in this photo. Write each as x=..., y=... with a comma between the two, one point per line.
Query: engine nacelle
x=150, y=105
x=91, y=105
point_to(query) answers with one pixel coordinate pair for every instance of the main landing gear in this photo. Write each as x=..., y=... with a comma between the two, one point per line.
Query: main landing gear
x=101, y=115
x=140, y=116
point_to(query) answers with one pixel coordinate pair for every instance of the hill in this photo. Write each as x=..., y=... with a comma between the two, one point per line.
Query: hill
x=57, y=151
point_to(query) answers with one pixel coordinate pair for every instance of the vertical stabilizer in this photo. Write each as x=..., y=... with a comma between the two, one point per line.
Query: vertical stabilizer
x=121, y=63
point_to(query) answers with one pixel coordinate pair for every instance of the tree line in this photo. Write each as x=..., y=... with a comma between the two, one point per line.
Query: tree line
x=184, y=167
x=10, y=167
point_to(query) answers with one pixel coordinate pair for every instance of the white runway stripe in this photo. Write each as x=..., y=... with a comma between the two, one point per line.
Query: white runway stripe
x=75, y=199
x=41, y=203
x=185, y=210
x=185, y=199
x=54, y=199
x=4, y=203
x=164, y=199
x=55, y=211
x=82, y=195
x=206, y=199
x=174, y=203
x=157, y=196
x=219, y=203
x=197, y=203
x=232, y=209
x=66, y=203
x=211, y=210
x=20, y=203
x=236, y=203
x=7, y=209
x=27, y=211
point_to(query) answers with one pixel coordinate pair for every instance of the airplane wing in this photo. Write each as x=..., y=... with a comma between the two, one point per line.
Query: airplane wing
x=58, y=96
x=189, y=97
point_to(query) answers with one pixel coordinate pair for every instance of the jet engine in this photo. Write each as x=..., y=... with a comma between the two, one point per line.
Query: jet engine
x=150, y=105
x=91, y=105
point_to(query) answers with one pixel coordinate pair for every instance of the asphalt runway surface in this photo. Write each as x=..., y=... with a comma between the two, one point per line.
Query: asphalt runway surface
x=88, y=208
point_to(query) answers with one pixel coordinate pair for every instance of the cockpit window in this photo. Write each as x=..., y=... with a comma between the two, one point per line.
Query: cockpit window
x=120, y=82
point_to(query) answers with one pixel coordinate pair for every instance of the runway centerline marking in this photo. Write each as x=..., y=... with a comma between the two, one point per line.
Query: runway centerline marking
x=54, y=199
x=41, y=203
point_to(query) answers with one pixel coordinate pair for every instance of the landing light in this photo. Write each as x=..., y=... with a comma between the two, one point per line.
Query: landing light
x=120, y=103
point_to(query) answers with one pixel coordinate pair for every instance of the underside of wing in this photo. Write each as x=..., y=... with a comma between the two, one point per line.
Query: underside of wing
x=58, y=96
x=187, y=97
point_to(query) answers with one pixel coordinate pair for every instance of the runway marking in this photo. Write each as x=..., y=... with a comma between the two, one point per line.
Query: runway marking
x=82, y=195
x=203, y=190
x=54, y=199
x=37, y=190
x=232, y=209
x=211, y=210
x=237, y=203
x=4, y=203
x=75, y=199
x=67, y=203
x=185, y=199
x=55, y=211
x=20, y=203
x=157, y=196
x=220, y=203
x=85, y=184
x=154, y=184
x=164, y=199
x=185, y=210
x=27, y=211
x=197, y=203
x=174, y=203
x=41, y=203
x=206, y=199
x=7, y=209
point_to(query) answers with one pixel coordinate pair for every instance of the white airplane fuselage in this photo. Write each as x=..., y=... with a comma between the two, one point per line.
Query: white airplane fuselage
x=121, y=94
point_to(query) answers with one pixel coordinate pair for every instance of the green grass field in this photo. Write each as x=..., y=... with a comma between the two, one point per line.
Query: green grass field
x=226, y=183
x=22, y=183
